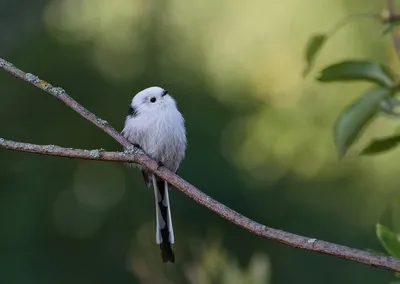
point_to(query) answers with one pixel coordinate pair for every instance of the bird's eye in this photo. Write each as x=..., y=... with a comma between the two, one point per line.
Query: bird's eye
x=153, y=99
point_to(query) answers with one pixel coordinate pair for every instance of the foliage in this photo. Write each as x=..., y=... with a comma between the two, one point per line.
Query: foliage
x=352, y=120
x=389, y=240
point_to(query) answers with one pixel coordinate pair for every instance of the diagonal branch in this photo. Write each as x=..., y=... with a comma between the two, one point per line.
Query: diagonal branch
x=137, y=156
x=62, y=95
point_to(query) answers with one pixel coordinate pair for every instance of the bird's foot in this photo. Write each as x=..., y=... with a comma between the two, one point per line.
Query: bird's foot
x=159, y=165
x=137, y=146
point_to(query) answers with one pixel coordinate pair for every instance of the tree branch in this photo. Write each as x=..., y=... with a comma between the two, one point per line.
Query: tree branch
x=60, y=94
x=137, y=156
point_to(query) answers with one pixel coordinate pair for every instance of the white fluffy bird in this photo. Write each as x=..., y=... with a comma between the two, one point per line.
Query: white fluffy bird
x=155, y=125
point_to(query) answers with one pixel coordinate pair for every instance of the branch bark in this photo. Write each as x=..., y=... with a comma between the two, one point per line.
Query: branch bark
x=137, y=156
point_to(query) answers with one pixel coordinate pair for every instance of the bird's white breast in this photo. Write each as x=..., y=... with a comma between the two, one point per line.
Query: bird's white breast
x=161, y=135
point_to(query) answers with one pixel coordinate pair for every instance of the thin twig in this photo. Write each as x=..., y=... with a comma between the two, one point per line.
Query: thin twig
x=139, y=157
x=351, y=18
x=393, y=17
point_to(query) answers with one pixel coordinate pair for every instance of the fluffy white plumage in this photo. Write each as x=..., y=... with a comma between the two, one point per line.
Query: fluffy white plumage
x=158, y=127
x=155, y=124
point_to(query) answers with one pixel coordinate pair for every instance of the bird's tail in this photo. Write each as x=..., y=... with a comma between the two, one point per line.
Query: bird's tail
x=164, y=230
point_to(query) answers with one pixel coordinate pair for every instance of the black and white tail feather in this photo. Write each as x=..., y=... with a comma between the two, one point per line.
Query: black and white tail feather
x=164, y=229
x=156, y=126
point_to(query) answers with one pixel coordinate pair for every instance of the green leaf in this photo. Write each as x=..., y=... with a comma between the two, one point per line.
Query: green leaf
x=390, y=26
x=358, y=70
x=314, y=45
x=381, y=145
x=389, y=240
x=355, y=117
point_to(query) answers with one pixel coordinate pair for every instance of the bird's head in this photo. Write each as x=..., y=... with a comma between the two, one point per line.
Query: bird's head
x=153, y=99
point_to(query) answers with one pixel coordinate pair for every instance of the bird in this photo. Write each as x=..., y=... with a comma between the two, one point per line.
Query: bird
x=155, y=125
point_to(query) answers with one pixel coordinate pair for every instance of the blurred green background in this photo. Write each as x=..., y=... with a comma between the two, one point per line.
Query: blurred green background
x=259, y=141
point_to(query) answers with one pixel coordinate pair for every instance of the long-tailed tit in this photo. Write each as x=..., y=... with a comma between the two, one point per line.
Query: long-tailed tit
x=155, y=125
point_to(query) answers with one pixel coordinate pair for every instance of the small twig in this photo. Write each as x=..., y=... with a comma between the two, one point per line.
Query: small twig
x=351, y=18
x=392, y=16
x=139, y=157
x=54, y=150
x=389, y=105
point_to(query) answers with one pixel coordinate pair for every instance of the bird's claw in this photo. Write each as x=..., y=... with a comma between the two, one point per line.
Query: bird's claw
x=159, y=165
x=137, y=146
